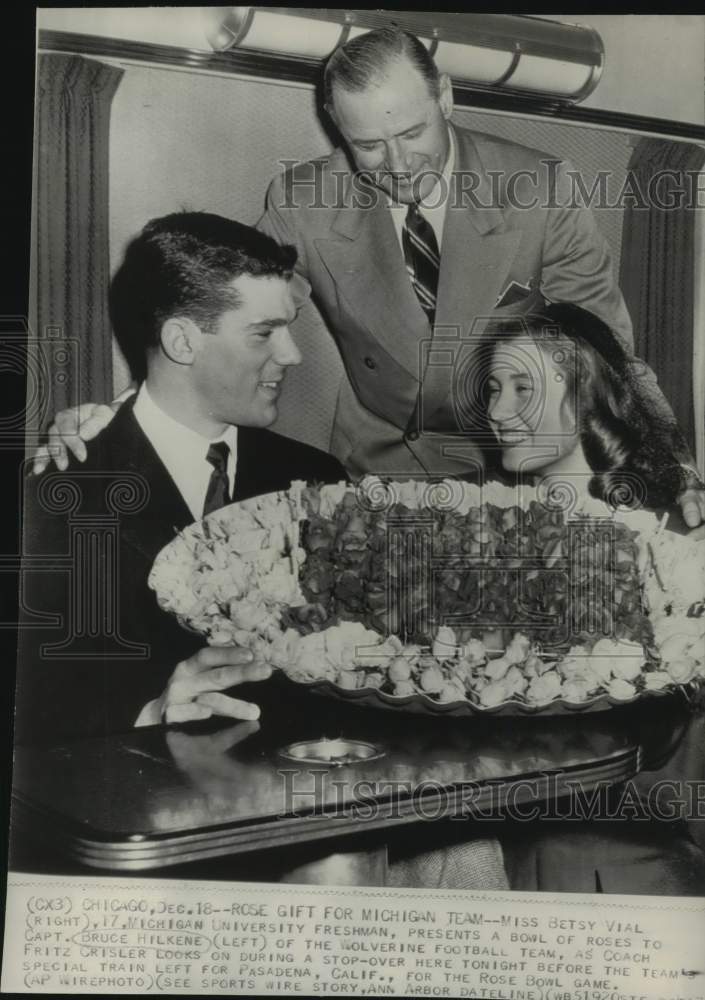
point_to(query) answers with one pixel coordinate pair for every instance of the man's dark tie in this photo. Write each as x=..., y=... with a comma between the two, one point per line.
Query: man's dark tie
x=218, y=492
x=422, y=258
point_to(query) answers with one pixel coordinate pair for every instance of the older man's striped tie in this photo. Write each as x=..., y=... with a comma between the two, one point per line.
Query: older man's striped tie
x=422, y=258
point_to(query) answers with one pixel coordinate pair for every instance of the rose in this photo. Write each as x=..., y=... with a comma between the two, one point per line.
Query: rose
x=452, y=690
x=620, y=659
x=628, y=668
x=462, y=670
x=683, y=670
x=675, y=647
x=493, y=693
x=445, y=643
x=382, y=652
x=399, y=669
x=518, y=648
x=621, y=689
x=221, y=635
x=431, y=680
x=474, y=651
x=515, y=681
x=545, y=688
x=575, y=690
x=348, y=680
x=657, y=679
x=349, y=642
x=247, y=614
x=283, y=649
x=535, y=666
x=496, y=669
x=280, y=586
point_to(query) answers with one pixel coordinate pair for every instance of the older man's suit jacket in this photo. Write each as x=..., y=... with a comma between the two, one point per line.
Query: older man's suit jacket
x=513, y=235
x=72, y=690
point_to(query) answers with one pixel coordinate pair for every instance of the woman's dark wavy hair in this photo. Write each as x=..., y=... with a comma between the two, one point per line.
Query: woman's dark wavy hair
x=630, y=447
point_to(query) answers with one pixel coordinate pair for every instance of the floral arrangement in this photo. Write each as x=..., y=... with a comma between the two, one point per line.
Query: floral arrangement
x=332, y=584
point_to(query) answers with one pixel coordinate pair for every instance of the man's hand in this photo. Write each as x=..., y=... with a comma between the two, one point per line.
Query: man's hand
x=194, y=690
x=692, y=504
x=71, y=428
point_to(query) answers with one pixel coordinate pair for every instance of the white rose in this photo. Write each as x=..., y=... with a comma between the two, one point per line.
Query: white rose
x=221, y=635
x=545, y=688
x=493, y=693
x=515, y=681
x=657, y=679
x=248, y=614
x=474, y=651
x=282, y=650
x=451, y=691
x=280, y=586
x=575, y=690
x=675, y=647
x=600, y=667
x=620, y=689
x=431, y=680
x=496, y=669
x=462, y=670
x=445, y=644
x=518, y=648
x=349, y=679
x=399, y=669
x=683, y=670
x=628, y=668
x=381, y=653
x=606, y=647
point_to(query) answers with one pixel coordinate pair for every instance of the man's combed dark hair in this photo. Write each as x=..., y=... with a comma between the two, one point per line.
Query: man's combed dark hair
x=183, y=265
x=630, y=445
x=364, y=60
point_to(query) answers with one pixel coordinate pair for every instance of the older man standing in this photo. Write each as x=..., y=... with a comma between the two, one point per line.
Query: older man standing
x=410, y=248
x=408, y=239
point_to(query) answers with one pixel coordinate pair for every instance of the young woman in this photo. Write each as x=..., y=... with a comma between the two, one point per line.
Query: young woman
x=563, y=399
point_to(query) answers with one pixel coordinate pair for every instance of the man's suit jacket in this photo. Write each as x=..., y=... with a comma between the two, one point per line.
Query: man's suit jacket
x=510, y=228
x=96, y=685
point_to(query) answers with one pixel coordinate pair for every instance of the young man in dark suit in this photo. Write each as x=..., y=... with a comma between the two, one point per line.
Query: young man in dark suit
x=201, y=307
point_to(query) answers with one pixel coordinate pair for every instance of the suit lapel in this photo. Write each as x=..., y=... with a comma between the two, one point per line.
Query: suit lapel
x=246, y=470
x=364, y=259
x=478, y=250
x=476, y=256
x=165, y=511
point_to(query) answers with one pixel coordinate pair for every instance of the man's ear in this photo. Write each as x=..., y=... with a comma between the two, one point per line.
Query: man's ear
x=181, y=339
x=445, y=95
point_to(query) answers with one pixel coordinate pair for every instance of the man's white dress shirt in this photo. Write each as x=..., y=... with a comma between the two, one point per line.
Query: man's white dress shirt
x=435, y=204
x=183, y=451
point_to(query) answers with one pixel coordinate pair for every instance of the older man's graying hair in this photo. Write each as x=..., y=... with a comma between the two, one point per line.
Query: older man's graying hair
x=363, y=61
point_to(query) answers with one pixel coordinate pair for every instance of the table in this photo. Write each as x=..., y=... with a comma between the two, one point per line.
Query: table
x=164, y=796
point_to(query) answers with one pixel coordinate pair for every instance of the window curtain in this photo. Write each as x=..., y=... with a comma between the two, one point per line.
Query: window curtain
x=72, y=268
x=657, y=266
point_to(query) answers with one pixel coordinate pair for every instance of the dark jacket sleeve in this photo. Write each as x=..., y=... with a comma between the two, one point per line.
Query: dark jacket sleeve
x=94, y=646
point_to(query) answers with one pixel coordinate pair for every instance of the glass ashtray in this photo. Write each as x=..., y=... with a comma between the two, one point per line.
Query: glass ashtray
x=334, y=753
